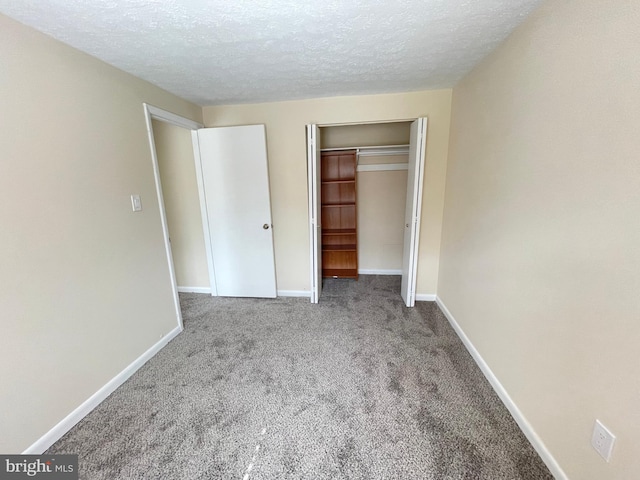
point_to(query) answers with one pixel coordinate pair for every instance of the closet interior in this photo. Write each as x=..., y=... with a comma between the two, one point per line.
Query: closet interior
x=363, y=192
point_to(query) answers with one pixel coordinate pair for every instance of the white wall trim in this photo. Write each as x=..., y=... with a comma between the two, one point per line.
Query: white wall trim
x=172, y=118
x=294, y=293
x=150, y=113
x=377, y=271
x=94, y=400
x=425, y=297
x=194, y=290
x=517, y=415
x=382, y=167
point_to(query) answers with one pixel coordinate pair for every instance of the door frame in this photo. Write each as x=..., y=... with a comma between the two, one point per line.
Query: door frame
x=152, y=112
x=420, y=171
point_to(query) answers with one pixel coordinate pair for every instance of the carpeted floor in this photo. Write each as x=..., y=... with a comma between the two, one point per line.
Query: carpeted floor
x=357, y=387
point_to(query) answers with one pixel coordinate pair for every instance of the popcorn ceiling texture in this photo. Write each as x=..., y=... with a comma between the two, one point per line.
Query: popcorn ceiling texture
x=216, y=52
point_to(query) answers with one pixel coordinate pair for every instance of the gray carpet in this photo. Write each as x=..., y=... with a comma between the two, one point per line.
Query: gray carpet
x=357, y=387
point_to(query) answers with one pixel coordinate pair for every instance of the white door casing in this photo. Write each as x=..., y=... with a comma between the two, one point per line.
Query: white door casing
x=236, y=188
x=413, y=209
x=154, y=113
x=315, y=224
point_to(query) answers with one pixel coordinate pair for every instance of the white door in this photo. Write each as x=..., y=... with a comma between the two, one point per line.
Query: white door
x=236, y=188
x=412, y=211
x=315, y=227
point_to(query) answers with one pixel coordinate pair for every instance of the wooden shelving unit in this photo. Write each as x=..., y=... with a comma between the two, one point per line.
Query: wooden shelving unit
x=339, y=215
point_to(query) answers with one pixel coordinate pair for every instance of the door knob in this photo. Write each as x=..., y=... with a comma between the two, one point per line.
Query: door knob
x=265, y=226
x=407, y=225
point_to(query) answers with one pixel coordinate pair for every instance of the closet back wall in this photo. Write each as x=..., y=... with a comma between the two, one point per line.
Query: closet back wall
x=381, y=204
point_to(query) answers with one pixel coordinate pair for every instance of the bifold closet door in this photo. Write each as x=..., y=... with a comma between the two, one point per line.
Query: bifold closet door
x=315, y=224
x=415, y=176
x=236, y=188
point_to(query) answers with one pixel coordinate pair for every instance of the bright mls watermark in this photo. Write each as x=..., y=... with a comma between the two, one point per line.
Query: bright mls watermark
x=49, y=467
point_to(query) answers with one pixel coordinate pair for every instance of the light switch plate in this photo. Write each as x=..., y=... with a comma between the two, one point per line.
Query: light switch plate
x=136, y=203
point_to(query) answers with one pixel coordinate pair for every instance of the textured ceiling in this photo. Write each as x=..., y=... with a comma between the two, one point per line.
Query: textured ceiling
x=216, y=52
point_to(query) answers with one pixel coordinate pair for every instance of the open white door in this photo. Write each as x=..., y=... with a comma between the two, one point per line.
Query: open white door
x=315, y=227
x=236, y=188
x=413, y=209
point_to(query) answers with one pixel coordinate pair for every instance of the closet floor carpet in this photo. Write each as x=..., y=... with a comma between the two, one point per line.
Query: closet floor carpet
x=356, y=387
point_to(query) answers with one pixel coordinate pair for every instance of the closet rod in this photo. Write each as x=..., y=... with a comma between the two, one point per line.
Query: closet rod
x=373, y=150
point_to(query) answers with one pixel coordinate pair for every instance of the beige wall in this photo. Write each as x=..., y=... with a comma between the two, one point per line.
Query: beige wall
x=285, y=123
x=182, y=204
x=84, y=282
x=540, y=259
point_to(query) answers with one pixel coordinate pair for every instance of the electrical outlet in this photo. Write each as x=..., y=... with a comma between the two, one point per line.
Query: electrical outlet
x=602, y=440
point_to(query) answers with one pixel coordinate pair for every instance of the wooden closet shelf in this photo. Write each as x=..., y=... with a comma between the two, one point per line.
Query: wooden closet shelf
x=347, y=204
x=338, y=248
x=339, y=181
x=338, y=231
x=340, y=272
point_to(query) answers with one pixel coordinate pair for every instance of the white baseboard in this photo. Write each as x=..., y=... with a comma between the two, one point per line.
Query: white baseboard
x=374, y=271
x=94, y=400
x=517, y=415
x=194, y=290
x=294, y=293
x=425, y=297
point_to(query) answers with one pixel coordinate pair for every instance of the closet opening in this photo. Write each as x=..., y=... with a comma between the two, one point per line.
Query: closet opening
x=362, y=212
